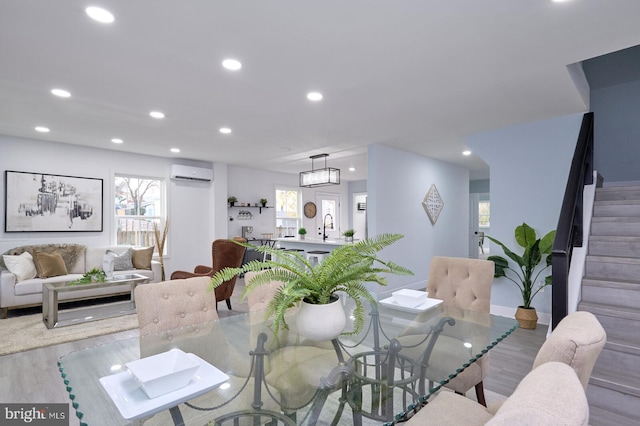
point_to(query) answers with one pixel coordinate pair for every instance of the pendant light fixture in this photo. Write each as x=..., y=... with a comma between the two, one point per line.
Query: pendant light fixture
x=319, y=177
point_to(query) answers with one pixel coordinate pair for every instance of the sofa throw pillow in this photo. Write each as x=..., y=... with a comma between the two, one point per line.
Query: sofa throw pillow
x=141, y=257
x=49, y=264
x=122, y=262
x=22, y=266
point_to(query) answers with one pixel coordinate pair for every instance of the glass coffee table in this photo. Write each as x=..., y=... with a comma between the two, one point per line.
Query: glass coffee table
x=54, y=318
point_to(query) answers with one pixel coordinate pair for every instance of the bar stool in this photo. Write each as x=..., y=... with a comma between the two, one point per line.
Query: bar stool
x=316, y=256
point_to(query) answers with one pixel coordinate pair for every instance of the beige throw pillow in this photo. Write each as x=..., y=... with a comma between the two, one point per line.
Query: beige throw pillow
x=49, y=265
x=141, y=257
x=22, y=266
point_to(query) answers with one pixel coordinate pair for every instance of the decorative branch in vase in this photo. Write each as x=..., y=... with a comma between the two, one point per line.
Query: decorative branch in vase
x=160, y=241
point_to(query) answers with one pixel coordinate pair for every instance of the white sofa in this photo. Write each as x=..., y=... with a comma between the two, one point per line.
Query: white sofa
x=78, y=260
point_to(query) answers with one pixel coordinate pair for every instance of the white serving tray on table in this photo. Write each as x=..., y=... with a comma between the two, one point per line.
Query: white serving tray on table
x=133, y=403
x=427, y=304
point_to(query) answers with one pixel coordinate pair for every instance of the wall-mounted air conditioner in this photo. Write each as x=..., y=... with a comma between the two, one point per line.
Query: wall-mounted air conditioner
x=190, y=173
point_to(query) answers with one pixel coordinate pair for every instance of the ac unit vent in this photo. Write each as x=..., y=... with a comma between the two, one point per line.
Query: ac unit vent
x=190, y=173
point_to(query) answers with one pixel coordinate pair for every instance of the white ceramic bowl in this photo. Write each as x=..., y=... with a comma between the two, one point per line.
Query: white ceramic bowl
x=409, y=298
x=165, y=372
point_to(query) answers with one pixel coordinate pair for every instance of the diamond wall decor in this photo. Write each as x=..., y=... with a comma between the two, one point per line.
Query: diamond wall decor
x=433, y=204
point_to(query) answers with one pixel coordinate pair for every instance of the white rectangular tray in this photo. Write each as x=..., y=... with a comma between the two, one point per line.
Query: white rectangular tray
x=427, y=304
x=133, y=403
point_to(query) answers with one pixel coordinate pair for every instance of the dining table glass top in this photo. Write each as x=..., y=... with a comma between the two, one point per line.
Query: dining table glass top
x=399, y=359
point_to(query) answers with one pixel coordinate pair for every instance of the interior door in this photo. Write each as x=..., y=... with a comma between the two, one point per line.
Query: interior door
x=328, y=218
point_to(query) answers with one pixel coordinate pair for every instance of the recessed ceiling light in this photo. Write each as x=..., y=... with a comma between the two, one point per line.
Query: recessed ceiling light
x=467, y=152
x=314, y=96
x=42, y=129
x=176, y=150
x=352, y=169
x=116, y=140
x=156, y=114
x=99, y=14
x=232, y=64
x=61, y=92
x=559, y=1
x=225, y=130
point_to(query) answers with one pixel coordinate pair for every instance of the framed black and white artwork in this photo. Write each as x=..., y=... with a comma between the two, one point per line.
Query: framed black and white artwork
x=40, y=202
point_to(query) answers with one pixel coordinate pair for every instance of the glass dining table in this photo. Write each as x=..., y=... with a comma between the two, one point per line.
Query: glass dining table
x=250, y=376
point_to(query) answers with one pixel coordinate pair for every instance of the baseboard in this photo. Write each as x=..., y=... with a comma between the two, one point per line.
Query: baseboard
x=510, y=312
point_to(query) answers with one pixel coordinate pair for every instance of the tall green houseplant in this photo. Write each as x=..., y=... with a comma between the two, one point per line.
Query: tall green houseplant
x=345, y=269
x=526, y=275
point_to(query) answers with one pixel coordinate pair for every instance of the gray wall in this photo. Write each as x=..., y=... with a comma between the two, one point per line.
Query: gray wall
x=529, y=169
x=396, y=186
x=615, y=101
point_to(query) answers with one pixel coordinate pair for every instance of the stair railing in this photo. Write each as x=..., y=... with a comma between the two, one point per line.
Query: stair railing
x=570, y=226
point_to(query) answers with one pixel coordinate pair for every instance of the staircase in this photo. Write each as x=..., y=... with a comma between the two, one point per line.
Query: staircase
x=611, y=291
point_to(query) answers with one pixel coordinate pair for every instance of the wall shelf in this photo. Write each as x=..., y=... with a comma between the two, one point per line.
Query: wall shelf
x=251, y=207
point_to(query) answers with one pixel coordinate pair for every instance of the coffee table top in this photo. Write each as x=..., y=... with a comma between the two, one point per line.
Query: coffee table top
x=115, y=280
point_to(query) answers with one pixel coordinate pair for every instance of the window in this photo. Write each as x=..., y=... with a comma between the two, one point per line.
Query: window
x=139, y=203
x=287, y=212
x=483, y=213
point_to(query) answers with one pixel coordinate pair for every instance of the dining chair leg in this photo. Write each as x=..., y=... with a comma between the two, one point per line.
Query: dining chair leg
x=229, y=304
x=480, y=394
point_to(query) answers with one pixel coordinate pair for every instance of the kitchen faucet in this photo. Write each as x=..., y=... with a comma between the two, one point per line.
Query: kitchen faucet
x=324, y=226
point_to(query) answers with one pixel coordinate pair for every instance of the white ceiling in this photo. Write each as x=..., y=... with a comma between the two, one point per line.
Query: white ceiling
x=418, y=75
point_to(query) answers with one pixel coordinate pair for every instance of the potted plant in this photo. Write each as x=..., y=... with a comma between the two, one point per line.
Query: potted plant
x=348, y=235
x=344, y=270
x=536, y=250
x=263, y=201
x=301, y=233
x=93, y=276
x=232, y=200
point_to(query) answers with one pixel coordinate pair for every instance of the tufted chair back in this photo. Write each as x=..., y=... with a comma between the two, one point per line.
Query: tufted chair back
x=173, y=304
x=577, y=341
x=461, y=283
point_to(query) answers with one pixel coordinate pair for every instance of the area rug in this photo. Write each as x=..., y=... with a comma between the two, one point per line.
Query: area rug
x=27, y=332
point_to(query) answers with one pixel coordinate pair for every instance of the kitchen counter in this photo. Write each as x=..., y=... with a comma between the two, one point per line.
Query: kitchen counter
x=311, y=241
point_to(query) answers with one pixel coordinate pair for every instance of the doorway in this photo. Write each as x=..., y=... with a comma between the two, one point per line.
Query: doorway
x=328, y=219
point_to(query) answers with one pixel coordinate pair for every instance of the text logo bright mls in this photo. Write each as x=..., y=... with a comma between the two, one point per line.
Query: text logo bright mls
x=37, y=414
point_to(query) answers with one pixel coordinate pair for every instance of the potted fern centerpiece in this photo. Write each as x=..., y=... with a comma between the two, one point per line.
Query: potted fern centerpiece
x=343, y=271
x=529, y=269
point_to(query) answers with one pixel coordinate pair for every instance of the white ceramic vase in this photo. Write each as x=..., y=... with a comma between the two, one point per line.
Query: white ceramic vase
x=321, y=322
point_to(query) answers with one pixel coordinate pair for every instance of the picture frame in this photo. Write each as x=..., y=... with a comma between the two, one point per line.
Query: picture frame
x=44, y=202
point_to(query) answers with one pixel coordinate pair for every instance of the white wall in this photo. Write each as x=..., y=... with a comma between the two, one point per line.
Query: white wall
x=529, y=168
x=397, y=184
x=192, y=220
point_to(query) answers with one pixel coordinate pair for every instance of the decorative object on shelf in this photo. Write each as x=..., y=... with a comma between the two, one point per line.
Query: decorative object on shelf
x=161, y=238
x=362, y=206
x=525, y=279
x=348, y=235
x=433, y=204
x=232, y=200
x=319, y=177
x=345, y=269
x=301, y=233
x=263, y=201
x=310, y=210
x=37, y=202
x=93, y=276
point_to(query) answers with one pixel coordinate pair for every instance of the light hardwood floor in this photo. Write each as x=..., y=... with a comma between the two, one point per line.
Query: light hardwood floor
x=33, y=376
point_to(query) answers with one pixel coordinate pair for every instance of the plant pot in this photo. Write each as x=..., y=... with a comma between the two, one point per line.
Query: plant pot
x=348, y=239
x=321, y=322
x=301, y=236
x=527, y=317
x=231, y=203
